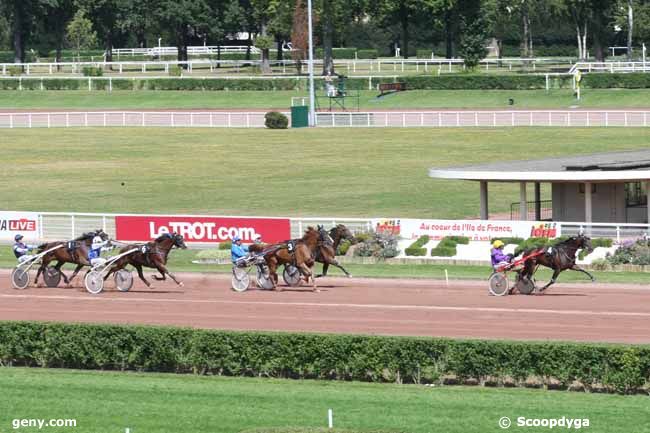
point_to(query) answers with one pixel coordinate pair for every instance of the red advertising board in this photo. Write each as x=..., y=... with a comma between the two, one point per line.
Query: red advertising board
x=202, y=229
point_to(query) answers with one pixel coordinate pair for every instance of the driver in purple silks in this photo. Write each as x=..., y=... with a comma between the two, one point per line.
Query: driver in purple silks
x=497, y=254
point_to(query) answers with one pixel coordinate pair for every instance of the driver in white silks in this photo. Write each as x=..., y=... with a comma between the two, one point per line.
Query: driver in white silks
x=96, y=247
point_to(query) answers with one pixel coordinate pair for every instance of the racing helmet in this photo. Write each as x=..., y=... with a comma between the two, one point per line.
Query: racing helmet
x=497, y=244
x=18, y=237
x=236, y=238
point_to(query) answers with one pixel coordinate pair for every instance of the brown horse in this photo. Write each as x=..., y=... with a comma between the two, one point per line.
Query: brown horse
x=326, y=252
x=75, y=251
x=559, y=257
x=299, y=253
x=151, y=255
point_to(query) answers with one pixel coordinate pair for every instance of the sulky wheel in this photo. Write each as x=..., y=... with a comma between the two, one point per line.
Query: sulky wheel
x=525, y=286
x=94, y=282
x=51, y=276
x=240, y=279
x=123, y=280
x=20, y=277
x=291, y=276
x=498, y=284
x=264, y=279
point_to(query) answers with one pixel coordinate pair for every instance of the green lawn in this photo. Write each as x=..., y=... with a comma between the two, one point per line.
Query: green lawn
x=306, y=172
x=416, y=99
x=150, y=403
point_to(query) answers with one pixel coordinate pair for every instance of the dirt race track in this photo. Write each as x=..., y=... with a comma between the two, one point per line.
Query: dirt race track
x=585, y=312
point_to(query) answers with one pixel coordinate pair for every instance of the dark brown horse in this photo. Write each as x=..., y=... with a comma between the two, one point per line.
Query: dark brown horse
x=326, y=252
x=151, y=255
x=74, y=251
x=559, y=257
x=299, y=253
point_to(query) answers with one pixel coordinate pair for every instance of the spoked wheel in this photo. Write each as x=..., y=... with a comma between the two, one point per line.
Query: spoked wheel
x=123, y=280
x=291, y=276
x=240, y=279
x=94, y=282
x=51, y=276
x=20, y=277
x=526, y=286
x=264, y=278
x=498, y=284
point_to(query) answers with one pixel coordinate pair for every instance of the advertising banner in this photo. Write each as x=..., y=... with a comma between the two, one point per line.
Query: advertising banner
x=201, y=228
x=475, y=230
x=13, y=223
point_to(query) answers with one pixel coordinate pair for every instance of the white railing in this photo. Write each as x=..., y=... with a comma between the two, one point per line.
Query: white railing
x=60, y=225
x=192, y=50
x=389, y=119
x=613, y=66
x=352, y=66
x=176, y=119
x=441, y=119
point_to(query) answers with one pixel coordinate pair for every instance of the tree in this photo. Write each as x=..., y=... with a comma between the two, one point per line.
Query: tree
x=104, y=15
x=404, y=12
x=23, y=16
x=300, y=34
x=472, y=44
x=80, y=32
x=183, y=19
x=134, y=17
x=58, y=16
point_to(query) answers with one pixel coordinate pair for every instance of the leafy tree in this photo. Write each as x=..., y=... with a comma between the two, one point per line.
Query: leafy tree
x=80, y=32
x=300, y=34
x=23, y=16
x=183, y=19
x=134, y=17
x=472, y=44
x=403, y=12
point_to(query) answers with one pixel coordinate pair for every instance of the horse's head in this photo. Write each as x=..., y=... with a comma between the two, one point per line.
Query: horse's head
x=172, y=240
x=345, y=233
x=179, y=241
x=584, y=242
x=102, y=234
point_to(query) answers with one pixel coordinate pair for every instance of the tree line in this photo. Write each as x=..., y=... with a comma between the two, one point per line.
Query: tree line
x=452, y=27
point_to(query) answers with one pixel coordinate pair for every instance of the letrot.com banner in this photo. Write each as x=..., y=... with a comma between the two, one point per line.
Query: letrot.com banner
x=202, y=229
x=13, y=223
x=475, y=230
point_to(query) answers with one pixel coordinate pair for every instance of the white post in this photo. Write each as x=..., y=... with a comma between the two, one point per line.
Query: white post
x=523, y=203
x=312, y=109
x=48, y=120
x=123, y=118
x=330, y=419
x=588, y=202
x=29, y=118
x=484, y=200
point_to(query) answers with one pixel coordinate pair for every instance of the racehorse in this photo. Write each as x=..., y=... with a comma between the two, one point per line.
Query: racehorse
x=302, y=256
x=326, y=253
x=75, y=251
x=151, y=255
x=559, y=257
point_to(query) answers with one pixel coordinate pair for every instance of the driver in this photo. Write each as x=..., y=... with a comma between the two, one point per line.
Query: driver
x=96, y=247
x=21, y=249
x=497, y=254
x=237, y=250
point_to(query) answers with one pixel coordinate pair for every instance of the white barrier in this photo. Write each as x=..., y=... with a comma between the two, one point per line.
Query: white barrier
x=391, y=119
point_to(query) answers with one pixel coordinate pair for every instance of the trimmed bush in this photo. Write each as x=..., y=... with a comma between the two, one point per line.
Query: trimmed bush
x=337, y=53
x=620, y=368
x=10, y=84
x=225, y=245
x=276, y=120
x=611, y=81
x=423, y=53
x=415, y=249
x=447, y=246
x=175, y=71
x=343, y=248
x=91, y=71
x=367, y=54
x=15, y=71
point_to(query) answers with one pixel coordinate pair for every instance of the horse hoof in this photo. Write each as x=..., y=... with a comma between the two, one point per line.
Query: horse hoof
x=181, y=284
x=349, y=276
x=151, y=286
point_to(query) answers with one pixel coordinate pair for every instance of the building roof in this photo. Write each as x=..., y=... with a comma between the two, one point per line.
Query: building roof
x=599, y=167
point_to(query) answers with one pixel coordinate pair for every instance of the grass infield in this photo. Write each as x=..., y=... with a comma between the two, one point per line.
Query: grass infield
x=242, y=100
x=305, y=172
x=108, y=402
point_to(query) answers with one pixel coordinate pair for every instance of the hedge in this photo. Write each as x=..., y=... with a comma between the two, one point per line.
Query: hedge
x=415, y=249
x=621, y=368
x=447, y=246
x=418, y=82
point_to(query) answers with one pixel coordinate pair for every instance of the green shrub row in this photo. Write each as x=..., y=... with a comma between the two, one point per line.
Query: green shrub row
x=621, y=368
x=415, y=249
x=92, y=71
x=447, y=246
x=419, y=82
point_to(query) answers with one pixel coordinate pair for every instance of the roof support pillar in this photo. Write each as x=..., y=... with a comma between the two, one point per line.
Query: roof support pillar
x=484, y=200
x=538, y=202
x=588, y=202
x=647, y=193
x=523, y=202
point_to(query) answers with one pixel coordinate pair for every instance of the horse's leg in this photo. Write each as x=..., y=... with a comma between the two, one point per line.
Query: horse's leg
x=556, y=272
x=324, y=273
x=304, y=269
x=141, y=275
x=38, y=273
x=576, y=268
x=163, y=270
x=347, y=274
x=74, y=274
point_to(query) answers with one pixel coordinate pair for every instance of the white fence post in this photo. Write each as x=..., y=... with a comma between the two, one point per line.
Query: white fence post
x=85, y=119
x=29, y=117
